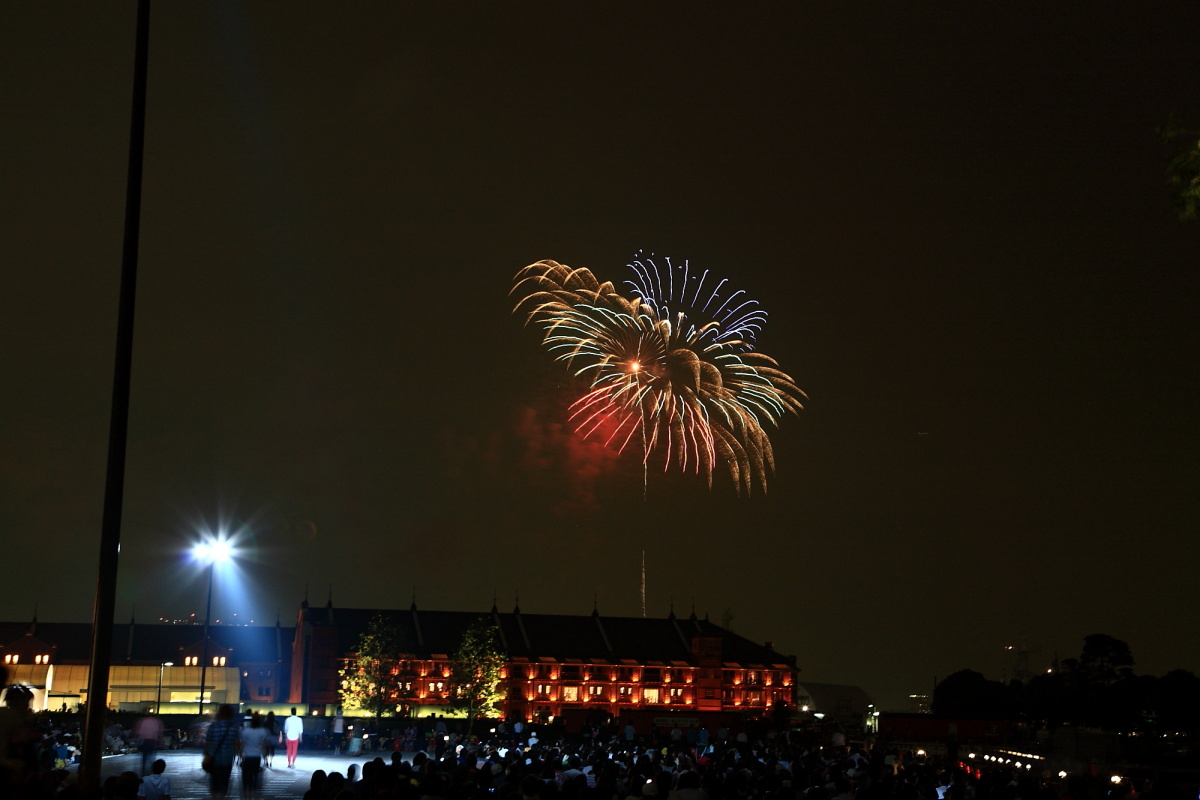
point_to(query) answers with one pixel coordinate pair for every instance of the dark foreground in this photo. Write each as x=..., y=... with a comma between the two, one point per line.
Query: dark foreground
x=190, y=782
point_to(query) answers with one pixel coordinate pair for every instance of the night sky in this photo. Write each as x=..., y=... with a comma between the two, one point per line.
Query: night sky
x=955, y=214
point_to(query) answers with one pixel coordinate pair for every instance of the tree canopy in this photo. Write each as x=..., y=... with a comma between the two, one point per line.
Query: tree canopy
x=968, y=695
x=1183, y=171
x=1097, y=689
x=372, y=682
x=476, y=670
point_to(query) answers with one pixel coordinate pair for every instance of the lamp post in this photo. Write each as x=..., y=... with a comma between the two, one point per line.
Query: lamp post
x=212, y=552
x=158, y=697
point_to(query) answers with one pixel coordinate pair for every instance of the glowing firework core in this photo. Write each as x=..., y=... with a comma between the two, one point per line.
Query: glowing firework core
x=675, y=364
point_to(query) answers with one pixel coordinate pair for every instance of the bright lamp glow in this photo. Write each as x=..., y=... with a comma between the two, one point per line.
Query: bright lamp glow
x=216, y=551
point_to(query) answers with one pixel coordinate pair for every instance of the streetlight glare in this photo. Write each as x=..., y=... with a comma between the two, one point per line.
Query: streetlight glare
x=213, y=551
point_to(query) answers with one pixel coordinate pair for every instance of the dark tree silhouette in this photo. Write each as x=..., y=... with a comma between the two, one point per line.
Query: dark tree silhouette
x=1183, y=172
x=1105, y=659
x=968, y=695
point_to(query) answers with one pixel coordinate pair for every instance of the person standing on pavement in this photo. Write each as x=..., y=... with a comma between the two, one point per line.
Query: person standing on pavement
x=339, y=733
x=221, y=742
x=252, y=744
x=272, y=729
x=293, y=729
x=149, y=731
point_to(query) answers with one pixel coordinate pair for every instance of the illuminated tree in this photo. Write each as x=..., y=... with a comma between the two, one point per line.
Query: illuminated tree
x=372, y=681
x=475, y=673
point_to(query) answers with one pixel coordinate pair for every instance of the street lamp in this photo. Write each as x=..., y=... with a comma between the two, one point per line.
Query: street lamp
x=212, y=552
x=158, y=698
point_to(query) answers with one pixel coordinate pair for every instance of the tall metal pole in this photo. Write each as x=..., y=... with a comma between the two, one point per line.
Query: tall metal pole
x=162, y=665
x=114, y=485
x=204, y=647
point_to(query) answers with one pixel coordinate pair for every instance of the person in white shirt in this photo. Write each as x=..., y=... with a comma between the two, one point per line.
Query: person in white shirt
x=293, y=729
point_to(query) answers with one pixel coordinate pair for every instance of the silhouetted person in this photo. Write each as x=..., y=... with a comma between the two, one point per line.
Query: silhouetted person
x=251, y=744
x=149, y=731
x=221, y=743
x=156, y=785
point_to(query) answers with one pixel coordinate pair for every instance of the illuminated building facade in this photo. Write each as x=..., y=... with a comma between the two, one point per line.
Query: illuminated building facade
x=246, y=664
x=558, y=666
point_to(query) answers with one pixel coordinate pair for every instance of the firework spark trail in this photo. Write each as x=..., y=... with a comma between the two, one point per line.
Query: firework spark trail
x=743, y=321
x=684, y=375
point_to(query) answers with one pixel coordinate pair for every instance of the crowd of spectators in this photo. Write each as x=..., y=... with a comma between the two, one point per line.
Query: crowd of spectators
x=513, y=762
x=674, y=765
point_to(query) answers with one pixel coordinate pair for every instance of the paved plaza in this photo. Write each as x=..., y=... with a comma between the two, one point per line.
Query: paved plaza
x=190, y=782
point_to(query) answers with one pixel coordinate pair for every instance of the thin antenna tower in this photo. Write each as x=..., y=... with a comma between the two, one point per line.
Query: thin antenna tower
x=643, y=583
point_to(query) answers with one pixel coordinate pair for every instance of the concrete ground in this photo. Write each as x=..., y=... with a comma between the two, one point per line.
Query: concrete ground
x=190, y=782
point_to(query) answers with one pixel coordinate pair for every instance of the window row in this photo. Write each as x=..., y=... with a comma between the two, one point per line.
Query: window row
x=15, y=658
x=194, y=661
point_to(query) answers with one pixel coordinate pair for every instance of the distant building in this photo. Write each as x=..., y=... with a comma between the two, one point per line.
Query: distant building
x=848, y=706
x=246, y=663
x=558, y=665
x=648, y=670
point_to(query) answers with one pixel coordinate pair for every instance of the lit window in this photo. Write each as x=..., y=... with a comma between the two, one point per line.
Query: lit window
x=650, y=695
x=596, y=691
x=570, y=694
x=676, y=691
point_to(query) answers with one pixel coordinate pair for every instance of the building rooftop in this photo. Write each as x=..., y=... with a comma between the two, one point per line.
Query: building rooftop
x=550, y=637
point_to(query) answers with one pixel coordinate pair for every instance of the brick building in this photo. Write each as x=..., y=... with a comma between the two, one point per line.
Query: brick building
x=557, y=665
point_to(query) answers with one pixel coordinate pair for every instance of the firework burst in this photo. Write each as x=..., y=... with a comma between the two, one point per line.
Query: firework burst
x=672, y=369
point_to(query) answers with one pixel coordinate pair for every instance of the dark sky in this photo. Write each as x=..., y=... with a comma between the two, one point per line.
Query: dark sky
x=955, y=214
